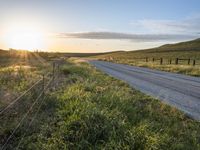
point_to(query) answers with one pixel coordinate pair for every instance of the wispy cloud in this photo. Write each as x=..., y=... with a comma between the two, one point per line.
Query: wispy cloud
x=127, y=36
x=153, y=31
x=189, y=25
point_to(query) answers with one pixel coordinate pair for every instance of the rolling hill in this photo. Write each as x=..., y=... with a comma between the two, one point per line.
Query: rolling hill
x=168, y=53
x=182, y=46
x=188, y=49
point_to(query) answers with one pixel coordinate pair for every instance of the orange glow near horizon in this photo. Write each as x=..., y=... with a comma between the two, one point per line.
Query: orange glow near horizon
x=24, y=37
x=31, y=36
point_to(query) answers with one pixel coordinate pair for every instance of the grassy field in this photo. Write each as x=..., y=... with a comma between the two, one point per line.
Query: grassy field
x=19, y=70
x=94, y=111
x=185, y=50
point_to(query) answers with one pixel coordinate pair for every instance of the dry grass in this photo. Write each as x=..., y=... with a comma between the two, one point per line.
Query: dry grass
x=138, y=59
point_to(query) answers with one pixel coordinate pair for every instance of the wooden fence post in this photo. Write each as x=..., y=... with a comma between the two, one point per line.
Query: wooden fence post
x=43, y=84
x=194, y=62
x=170, y=61
x=176, y=61
x=161, y=61
x=188, y=61
x=53, y=71
x=146, y=59
x=153, y=59
x=58, y=68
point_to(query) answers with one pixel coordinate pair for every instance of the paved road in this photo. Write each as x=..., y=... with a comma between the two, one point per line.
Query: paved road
x=178, y=90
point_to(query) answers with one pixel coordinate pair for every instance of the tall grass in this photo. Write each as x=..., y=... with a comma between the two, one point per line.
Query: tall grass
x=95, y=111
x=17, y=73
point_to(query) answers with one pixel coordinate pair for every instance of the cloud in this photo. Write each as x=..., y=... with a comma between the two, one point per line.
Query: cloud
x=127, y=36
x=189, y=25
x=150, y=31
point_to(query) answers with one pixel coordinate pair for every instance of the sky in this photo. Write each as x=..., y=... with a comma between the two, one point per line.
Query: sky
x=96, y=25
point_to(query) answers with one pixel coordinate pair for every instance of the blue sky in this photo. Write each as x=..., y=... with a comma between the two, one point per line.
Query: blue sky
x=104, y=25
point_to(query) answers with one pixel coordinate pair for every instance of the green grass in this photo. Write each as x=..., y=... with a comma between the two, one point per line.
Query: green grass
x=18, y=71
x=95, y=111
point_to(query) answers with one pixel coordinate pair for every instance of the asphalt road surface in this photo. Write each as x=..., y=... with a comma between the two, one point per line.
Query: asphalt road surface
x=178, y=90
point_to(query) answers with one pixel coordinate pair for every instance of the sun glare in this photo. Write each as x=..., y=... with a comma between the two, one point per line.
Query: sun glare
x=24, y=37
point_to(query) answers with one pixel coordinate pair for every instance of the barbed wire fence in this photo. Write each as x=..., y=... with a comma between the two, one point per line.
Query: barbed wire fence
x=161, y=61
x=38, y=95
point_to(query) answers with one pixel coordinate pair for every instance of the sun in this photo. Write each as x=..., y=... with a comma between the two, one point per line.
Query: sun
x=24, y=37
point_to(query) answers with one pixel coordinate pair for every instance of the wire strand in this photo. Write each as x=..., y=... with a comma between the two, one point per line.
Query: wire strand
x=33, y=118
x=18, y=98
x=24, y=117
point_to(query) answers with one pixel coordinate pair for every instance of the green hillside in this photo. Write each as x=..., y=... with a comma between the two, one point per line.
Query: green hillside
x=169, y=53
x=193, y=45
x=189, y=45
x=189, y=49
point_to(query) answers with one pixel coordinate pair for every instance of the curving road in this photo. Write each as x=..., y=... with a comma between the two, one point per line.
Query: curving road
x=178, y=90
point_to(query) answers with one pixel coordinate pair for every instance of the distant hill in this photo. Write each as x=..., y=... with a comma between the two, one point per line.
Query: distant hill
x=3, y=52
x=88, y=54
x=193, y=45
x=188, y=49
x=189, y=45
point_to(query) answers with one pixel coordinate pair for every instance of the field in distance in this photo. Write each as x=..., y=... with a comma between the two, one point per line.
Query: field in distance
x=187, y=53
